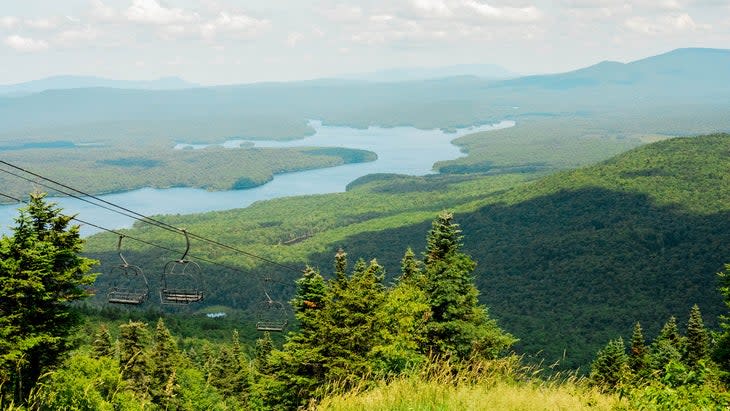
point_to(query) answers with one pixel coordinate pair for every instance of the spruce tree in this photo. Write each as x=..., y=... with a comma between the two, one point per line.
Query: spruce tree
x=133, y=360
x=638, y=354
x=263, y=348
x=410, y=268
x=610, y=369
x=667, y=347
x=340, y=265
x=102, y=346
x=696, y=348
x=459, y=326
x=721, y=353
x=164, y=359
x=41, y=273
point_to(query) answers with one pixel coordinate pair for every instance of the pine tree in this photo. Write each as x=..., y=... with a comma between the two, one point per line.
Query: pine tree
x=696, y=348
x=41, y=273
x=611, y=368
x=638, y=355
x=102, y=346
x=459, y=326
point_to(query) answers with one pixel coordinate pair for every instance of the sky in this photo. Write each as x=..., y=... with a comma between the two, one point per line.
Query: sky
x=243, y=41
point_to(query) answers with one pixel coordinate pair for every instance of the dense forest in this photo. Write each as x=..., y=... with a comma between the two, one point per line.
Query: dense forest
x=356, y=336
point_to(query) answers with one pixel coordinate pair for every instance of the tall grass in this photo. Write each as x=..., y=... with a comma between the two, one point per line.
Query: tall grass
x=488, y=385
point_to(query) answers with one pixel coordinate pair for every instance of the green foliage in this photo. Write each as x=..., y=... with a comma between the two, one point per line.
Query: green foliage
x=41, y=273
x=681, y=388
x=722, y=353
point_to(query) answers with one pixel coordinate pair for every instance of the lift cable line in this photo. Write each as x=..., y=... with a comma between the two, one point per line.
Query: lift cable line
x=162, y=247
x=139, y=217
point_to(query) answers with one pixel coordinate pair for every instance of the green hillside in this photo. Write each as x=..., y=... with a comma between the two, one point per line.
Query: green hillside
x=565, y=262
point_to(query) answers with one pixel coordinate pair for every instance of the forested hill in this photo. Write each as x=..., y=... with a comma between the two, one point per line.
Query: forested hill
x=565, y=263
x=577, y=257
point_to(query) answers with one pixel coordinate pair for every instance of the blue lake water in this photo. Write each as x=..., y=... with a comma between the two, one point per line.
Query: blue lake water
x=402, y=150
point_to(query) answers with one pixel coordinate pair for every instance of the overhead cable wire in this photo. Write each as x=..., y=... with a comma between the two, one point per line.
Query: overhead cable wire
x=162, y=247
x=140, y=217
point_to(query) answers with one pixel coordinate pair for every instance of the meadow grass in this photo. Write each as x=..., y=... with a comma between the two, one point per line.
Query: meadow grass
x=490, y=385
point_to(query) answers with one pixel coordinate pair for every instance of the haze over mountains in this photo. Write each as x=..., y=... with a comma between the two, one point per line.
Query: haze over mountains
x=686, y=76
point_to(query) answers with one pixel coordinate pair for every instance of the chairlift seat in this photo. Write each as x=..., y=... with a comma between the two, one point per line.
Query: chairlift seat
x=180, y=296
x=133, y=297
x=270, y=326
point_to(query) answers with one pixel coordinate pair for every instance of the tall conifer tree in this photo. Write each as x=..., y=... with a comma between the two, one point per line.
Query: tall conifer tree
x=638, y=353
x=459, y=326
x=41, y=273
x=696, y=348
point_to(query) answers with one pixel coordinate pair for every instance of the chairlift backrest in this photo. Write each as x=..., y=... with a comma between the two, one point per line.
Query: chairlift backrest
x=130, y=284
x=180, y=282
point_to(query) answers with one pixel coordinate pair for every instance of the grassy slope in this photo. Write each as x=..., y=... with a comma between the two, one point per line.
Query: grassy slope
x=565, y=262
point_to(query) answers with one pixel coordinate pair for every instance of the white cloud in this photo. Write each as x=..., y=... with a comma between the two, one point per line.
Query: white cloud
x=8, y=22
x=41, y=23
x=507, y=14
x=76, y=37
x=434, y=8
x=342, y=13
x=25, y=44
x=237, y=24
x=293, y=39
x=152, y=12
x=667, y=24
x=100, y=11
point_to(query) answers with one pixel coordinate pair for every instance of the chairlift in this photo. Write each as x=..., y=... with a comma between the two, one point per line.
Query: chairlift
x=180, y=283
x=271, y=315
x=130, y=284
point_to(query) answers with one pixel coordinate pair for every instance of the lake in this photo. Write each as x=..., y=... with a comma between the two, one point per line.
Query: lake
x=402, y=150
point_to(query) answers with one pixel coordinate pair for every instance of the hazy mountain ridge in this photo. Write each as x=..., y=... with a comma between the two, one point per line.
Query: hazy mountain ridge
x=74, y=82
x=687, y=65
x=696, y=76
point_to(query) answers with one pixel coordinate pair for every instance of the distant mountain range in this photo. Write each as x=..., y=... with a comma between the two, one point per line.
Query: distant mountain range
x=71, y=82
x=695, y=65
x=485, y=71
x=109, y=108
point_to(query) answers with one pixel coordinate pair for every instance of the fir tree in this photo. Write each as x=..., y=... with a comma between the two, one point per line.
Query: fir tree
x=610, y=369
x=41, y=273
x=696, y=347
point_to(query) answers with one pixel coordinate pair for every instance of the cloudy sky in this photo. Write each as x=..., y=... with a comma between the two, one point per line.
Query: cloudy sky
x=236, y=41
